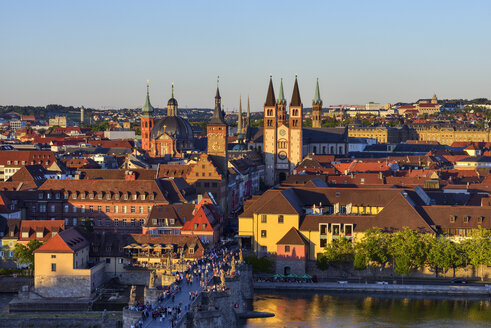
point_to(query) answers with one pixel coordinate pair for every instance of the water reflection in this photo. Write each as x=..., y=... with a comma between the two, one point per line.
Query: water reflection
x=350, y=310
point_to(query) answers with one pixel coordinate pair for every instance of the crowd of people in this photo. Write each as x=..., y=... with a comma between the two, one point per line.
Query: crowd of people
x=207, y=270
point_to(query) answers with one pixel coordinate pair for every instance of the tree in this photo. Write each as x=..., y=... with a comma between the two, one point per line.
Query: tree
x=478, y=249
x=443, y=254
x=409, y=251
x=339, y=251
x=87, y=224
x=374, y=246
x=25, y=255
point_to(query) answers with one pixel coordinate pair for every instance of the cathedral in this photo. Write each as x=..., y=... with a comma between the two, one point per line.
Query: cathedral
x=285, y=140
x=171, y=135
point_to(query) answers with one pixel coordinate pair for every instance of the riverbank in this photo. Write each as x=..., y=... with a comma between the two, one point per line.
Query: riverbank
x=378, y=288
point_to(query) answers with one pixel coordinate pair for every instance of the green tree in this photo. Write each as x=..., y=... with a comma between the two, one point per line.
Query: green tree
x=25, y=255
x=443, y=254
x=478, y=249
x=374, y=246
x=307, y=123
x=409, y=251
x=87, y=224
x=338, y=251
x=257, y=123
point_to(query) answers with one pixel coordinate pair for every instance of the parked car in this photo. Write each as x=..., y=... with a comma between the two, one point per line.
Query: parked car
x=458, y=281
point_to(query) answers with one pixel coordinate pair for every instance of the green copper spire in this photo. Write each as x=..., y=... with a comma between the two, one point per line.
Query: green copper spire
x=317, y=96
x=147, y=109
x=281, y=96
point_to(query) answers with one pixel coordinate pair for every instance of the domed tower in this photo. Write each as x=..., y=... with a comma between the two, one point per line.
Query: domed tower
x=317, y=108
x=147, y=121
x=172, y=104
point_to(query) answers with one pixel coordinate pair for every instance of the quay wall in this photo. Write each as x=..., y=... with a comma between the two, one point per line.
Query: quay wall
x=440, y=290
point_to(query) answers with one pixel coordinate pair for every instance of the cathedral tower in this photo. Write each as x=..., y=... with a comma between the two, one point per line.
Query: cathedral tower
x=269, y=135
x=317, y=108
x=147, y=121
x=240, y=118
x=217, y=132
x=281, y=102
x=295, y=127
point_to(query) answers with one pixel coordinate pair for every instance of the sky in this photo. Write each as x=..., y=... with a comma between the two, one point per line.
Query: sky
x=101, y=53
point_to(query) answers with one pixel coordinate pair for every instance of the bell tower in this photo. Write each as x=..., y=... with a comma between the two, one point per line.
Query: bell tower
x=295, y=127
x=317, y=108
x=217, y=132
x=270, y=135
x=147, y=121
x=281, y=103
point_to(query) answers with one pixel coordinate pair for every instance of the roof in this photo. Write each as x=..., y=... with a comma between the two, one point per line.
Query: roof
x=48, y=228
x=16, y=158
x=296, y=95
x=138, y=187
x=270, y=99
x=34, y=174
x=185, y=241
x=118, y=174
x=68, y=241
x=293, y=237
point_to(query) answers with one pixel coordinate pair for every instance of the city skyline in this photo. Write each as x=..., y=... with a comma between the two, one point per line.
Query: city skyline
x=101, y=54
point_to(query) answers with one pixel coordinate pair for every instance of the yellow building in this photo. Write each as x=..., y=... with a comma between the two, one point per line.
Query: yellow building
x=61, y=267
x=58, y=121
x=9, y=238
x=323, y=214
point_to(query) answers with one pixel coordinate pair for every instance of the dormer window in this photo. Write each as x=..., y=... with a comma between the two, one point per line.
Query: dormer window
x=152, y=197
x=65, y=195
x=82, y=196
x=74, y=196
x=135, y=196
x=91, y=196
x=99, y=196
x=25, y=234
x=125, y=197
x=48, y=195
x=142, y=197
x=116, y=197
x=108, y=196
x=466, y=219
x=39, y=234
x=452, y=218
x=40, y=195
x=480, y=219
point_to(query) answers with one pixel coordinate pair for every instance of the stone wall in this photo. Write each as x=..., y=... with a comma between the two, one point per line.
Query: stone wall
x=133, y=277
x=55, y=322
x=347, y=271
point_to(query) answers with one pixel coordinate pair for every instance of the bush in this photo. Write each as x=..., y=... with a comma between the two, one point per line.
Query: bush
x=8, y=272
x=263, y=264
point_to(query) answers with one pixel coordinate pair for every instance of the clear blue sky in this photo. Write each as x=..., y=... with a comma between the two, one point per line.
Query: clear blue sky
x=100, y=53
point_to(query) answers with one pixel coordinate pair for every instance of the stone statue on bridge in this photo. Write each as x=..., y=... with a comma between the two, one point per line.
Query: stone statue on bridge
x=232, y=266
x=222, y=278
x=132, y=300
x=241, y=256
x=151, y=280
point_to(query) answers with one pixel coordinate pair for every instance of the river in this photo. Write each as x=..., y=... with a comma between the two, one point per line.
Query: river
x=354, y=310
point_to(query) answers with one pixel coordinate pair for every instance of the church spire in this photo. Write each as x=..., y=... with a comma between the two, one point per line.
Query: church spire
x=248, y=112
x=240, y=119
x=281, y=96
x=296, y=94
x=317, y=96
x=217, y=117
x=147, y=109
x=270, y=99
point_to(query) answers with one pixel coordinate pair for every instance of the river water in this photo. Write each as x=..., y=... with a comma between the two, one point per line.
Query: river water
x=354, y=310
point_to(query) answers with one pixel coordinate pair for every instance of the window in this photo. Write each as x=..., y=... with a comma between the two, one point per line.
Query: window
x=67, y=221
x=452, y=218
x=141, y=209
x=480, y=219
x=125, y=197
x=99, y=196
x=108, y=261
x=82, y=196
x=33, y=209
x=123, y=222
x=48, y=195
x=263, y=218
x=91, y=208
x=39, y=234
x=40, y=195
x=99, y=208
x=466, y=219
x=53, y=267
x=195, y=226
x=99, y=222
x=74, y=196
x=135, y=196
x=287, y=249
x=323, y=243
x=133, y=222
x=280, y=219
x=335, y=229
x=214, y=184
x=142, y=222
x=124, y=209
x=120, y=261
x=42, y=208
x=74, y=209
x=52, y=208
x=53, y=256
x=108, y=209
x=74, y=221
x=263, y=233
x=116, y=222
x=116, y=209
x=108, y=196
x=203, y=226
x=57, y=195
x=323, y=229
x=264, y=249
x=82, y=208
x=66, y=208
x=132, y=209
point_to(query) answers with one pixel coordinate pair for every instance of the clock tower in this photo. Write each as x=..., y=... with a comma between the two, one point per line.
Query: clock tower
x=217, y=132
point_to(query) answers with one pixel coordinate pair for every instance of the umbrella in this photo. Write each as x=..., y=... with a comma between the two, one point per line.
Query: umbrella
x=306, y=276
x=278, y=275
x=129, y=246
x=146, y=246
x=291, y=275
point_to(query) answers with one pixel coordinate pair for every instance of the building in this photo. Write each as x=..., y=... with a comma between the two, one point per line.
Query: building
x=13, y=160
x=58, y=121
x=170, y=136
x=61, y=267
x=284, y=146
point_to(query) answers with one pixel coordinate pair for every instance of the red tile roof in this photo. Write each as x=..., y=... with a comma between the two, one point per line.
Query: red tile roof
x=68, y=241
